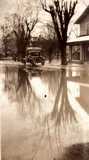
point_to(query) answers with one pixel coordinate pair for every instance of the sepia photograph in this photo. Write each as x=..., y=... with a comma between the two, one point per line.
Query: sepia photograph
x=44, y=79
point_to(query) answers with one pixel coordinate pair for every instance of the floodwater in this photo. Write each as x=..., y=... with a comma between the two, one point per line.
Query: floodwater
x=44, y=113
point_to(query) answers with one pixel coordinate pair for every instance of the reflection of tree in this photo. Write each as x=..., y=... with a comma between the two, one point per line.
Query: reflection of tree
x=62, y=111
x=10, y=81
x=16, y=80
x=23, y=81
x=19, y=90
x=23, y=91
x=51, y=78
x=17, y=84
x=57, y=84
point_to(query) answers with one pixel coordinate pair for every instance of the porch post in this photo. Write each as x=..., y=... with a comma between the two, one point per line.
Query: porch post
x=70, y=50
x=81, y=53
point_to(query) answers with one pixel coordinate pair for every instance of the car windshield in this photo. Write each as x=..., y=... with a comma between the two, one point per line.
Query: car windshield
x=35, y=53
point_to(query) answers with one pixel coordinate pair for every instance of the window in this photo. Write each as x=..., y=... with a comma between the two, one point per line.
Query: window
x=88, y=28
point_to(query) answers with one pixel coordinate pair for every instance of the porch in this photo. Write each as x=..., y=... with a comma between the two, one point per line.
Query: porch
x=79, y=49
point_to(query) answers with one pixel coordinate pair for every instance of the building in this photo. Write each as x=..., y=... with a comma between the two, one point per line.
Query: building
x=79, y=47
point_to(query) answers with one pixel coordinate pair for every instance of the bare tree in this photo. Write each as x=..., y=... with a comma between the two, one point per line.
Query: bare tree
x=61, y=13
x=5, y=38
x=22, y=29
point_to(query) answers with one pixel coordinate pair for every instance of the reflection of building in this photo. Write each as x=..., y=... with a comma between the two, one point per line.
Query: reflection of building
x=78, y=86
x=74, y=88
x=83, y=100
x=79, y=47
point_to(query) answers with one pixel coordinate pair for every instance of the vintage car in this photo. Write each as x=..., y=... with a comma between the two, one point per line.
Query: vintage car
x=34, y=56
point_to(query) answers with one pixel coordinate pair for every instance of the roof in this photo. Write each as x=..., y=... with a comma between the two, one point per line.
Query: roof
x=79, y=40
x=83, y=15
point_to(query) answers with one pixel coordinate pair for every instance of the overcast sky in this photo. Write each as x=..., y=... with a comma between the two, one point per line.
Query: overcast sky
x=9, y=6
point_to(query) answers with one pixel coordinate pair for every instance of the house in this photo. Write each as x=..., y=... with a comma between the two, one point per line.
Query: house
x=79, y=47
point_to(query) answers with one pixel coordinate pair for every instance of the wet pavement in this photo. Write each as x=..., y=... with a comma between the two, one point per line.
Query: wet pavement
x=43, y=111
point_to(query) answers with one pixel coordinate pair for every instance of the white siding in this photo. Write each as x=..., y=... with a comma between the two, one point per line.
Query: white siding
x=84, y=26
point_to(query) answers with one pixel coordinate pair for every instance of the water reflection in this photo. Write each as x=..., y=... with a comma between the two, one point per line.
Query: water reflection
x=62, y=111
x=49, y=112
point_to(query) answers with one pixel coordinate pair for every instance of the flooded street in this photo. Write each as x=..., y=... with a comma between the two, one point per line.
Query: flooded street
x=43, y=112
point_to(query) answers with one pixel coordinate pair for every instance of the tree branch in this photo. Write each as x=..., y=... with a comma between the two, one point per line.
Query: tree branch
x=44, y=6
x=16, y=34
x=33, y=24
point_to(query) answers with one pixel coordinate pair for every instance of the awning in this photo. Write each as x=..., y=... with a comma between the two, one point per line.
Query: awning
x=78, y=40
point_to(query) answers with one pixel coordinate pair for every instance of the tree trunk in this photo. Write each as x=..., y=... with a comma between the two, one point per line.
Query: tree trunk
x=21, y=50
x=63, y=55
